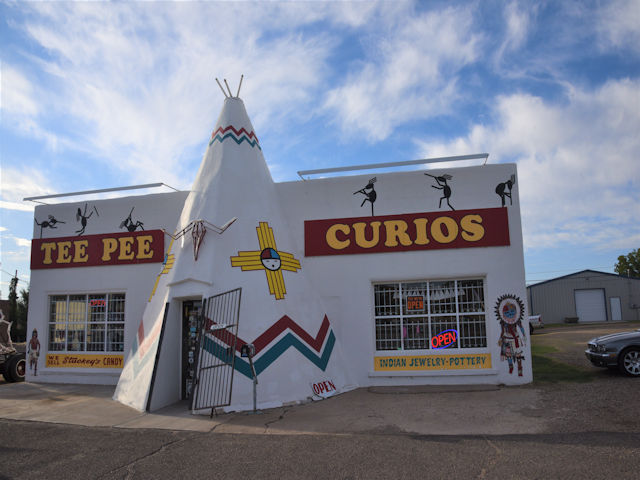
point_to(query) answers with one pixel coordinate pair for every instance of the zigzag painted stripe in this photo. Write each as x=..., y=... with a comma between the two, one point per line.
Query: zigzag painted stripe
x=285, y=323
x=271, y=355
x=238, y=141
x=237, y=132
x=237, y=136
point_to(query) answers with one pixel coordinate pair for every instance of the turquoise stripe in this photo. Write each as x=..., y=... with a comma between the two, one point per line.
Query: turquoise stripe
x=138, y=364
x=253, y=143
x=271, y=355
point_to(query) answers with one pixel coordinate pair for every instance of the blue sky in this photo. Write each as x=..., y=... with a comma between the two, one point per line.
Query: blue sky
x=98, y=95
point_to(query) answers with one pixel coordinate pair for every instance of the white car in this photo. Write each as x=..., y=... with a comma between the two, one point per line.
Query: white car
x=535, y=321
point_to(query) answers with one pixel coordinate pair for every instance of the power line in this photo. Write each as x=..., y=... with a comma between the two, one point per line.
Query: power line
x=13, y=275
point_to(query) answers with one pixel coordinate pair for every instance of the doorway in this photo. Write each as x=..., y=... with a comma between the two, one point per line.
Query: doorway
x=616, y=309
x=191, y=311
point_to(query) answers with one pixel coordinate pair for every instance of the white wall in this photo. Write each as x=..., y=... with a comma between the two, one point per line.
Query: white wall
x=345, y=281
x=157, y=211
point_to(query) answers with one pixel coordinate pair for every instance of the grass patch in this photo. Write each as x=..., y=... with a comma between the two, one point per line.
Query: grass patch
x=550, y=371
x=542, y=349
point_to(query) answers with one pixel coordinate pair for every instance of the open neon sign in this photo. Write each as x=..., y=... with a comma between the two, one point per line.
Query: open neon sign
x=444, y=339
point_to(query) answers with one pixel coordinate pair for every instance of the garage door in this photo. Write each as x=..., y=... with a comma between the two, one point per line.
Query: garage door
x=590, y=306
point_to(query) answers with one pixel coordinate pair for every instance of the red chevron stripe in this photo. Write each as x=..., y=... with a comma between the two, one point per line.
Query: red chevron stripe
x=237, y=132
x=144, y=342
x=141, y=333
x=285, y=323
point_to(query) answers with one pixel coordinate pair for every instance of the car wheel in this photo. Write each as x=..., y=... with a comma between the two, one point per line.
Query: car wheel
x=15, y=369
x=629, y=362
x=4, y=368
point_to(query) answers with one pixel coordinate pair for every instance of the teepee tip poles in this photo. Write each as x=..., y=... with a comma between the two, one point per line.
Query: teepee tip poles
x=229, y=95
x=239, y=85
x=223, y=92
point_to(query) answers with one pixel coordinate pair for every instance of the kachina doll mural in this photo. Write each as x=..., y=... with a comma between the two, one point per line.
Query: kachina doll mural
x=509, y=311
x=33, y=350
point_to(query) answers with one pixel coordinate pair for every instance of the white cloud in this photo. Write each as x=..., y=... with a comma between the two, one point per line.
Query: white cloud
x=17, y=184
x=21, y=207
x=579, y=181
x=20, y=105
x=410, y=73
x=19, y=242
x=139, y=80
x=17, y=92
x=22, y=242
x=518, y=25
x=618, y=24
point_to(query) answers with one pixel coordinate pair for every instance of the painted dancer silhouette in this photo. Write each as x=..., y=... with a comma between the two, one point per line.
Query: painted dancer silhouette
x=51, y=223
x=502, y=192
x=83, y=217
x=130, y=225
x=442, y=185
x=369, y=193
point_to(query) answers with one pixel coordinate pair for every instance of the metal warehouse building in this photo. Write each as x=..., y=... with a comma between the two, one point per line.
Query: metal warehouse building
x=589, y=296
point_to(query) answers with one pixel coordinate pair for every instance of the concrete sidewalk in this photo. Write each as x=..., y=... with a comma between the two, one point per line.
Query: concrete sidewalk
x=427, y=410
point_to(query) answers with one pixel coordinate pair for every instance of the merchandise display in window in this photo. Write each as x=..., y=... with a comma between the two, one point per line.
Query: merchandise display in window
x=430, y=315
x=86, y=323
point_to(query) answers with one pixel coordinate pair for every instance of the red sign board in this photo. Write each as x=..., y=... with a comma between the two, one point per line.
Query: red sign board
x=96, y=250
x=486, y=227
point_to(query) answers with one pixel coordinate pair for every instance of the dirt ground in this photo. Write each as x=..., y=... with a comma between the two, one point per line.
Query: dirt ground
x=570, y=341
x=598, y=406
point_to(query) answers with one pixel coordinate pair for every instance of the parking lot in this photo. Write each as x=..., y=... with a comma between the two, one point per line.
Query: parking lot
x=542, y=430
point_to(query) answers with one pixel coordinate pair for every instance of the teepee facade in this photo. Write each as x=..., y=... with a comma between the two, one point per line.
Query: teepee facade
x=288, y=291
x=294, y=343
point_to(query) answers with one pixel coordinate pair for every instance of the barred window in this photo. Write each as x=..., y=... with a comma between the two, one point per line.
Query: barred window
x=86, y=323
x=408, y=315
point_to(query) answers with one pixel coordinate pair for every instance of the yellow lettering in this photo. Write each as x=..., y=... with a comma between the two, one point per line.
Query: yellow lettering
x=472, y=230
x=109, y=245
x=421, y=231
x=332, y=236
x=126, y=252
x=144, y=246
x=397, y=230
x=451, y=230
x=63, y=252
x=48, y=248
x=80, y=251
x=359, y=229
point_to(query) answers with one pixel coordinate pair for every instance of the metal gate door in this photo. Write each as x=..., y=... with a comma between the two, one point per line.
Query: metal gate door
x=216, y=349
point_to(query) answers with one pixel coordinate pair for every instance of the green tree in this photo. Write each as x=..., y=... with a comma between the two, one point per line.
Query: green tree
x=18, y=311
x=13, y=299
x=22, y=312
x=629, y=264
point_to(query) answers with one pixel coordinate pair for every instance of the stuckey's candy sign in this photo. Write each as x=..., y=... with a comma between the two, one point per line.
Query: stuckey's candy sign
x=486, y=227
x=97, y=250
x=70, y=360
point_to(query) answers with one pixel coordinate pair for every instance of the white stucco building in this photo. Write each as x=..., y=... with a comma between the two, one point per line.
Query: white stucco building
x=404, y=278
